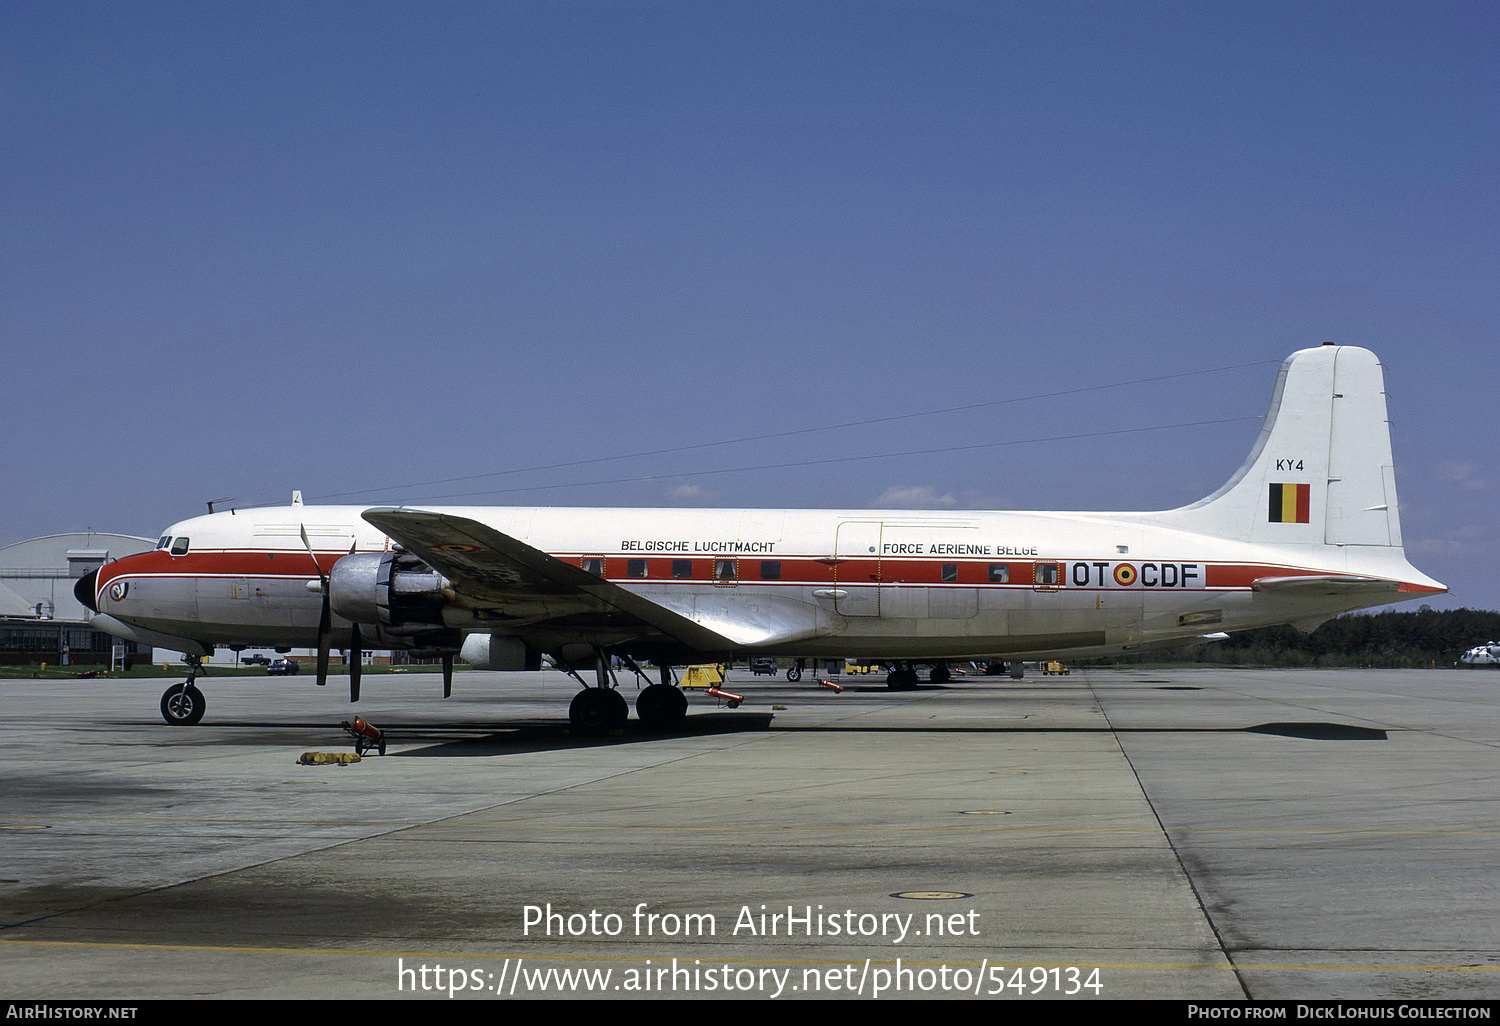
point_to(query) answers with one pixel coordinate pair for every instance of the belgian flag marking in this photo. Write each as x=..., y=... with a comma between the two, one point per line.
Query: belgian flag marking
x=1290, y=504
x=1125, y=575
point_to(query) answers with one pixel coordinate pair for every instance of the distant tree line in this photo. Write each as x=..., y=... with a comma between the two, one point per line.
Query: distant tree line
x=1427, y=637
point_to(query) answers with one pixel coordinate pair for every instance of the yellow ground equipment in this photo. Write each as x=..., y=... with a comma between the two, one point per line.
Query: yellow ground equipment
x=709, y=675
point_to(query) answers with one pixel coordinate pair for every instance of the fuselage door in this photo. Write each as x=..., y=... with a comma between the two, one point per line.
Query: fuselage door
x=856, y=573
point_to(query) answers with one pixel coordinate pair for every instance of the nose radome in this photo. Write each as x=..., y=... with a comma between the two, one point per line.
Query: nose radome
x=85, y=590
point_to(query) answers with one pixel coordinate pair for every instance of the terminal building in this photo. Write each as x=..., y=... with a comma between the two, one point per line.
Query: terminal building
x=40, y=619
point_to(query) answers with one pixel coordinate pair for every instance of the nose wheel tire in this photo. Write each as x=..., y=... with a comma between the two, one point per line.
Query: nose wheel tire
x=182, y=705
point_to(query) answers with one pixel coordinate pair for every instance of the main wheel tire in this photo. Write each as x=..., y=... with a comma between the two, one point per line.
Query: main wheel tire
x=902, y=680
x=598, y=711
x=183, y=705
x=661, y=707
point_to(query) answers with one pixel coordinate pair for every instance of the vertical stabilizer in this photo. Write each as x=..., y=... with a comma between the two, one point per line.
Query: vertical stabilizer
x=1321, y=470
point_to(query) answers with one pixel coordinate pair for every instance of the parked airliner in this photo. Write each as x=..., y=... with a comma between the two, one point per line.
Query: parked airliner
x=1306, y=529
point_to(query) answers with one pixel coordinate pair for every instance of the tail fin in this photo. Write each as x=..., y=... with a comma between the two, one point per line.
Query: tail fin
x=1321, y=471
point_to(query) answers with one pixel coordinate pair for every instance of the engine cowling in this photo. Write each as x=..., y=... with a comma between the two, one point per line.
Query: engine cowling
x=393, y=591
x=499, y=652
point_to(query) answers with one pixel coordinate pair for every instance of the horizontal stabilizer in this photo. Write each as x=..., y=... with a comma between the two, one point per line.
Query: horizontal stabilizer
x=1324, y=584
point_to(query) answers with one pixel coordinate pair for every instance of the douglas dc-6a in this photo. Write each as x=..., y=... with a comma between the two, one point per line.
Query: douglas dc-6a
x=1306, y=529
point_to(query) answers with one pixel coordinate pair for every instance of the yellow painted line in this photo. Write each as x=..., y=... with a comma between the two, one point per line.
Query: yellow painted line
x=966, y=828
x=221, y=949
x=240, y=822
x=459, y=822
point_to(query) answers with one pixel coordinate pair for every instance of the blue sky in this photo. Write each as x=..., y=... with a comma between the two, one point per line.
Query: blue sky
x=251, y=247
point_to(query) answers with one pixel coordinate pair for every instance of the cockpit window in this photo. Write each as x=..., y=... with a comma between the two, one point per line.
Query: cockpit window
x=166, y=540
x=179, y=546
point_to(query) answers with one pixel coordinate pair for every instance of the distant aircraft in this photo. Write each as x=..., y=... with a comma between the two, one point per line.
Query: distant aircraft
x=1306, y=529
x=1487, y=655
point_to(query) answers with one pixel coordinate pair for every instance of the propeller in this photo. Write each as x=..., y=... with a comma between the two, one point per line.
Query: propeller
x=356, y=657
x=325, y=616
x=447, y=674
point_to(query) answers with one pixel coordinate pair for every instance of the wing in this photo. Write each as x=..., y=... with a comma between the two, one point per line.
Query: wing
x=490, y=568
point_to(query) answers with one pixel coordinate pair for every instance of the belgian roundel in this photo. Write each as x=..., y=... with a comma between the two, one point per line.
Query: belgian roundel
x=1125, y=575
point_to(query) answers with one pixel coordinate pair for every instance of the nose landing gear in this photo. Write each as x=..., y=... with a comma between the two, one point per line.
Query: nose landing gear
x=183, y=705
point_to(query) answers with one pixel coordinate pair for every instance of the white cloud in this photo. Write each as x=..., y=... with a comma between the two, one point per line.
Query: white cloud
x=691, y=493
x=913, y=497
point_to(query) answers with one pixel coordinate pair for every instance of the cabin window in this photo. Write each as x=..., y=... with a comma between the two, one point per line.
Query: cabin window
x=635, y=568
x=1046, y=574
x=594, y=565
x=724, y=569
x=682, y=569
x=999, y=573
x=950, y=572
x=179, y=547
x=770, y=569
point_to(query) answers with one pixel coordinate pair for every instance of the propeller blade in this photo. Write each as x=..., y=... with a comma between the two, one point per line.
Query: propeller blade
x=448, y=675
x=325, y=639
x=325, y=616
x=356, y=658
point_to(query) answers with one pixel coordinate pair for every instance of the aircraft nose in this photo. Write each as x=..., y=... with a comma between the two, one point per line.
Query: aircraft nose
x=86, y=590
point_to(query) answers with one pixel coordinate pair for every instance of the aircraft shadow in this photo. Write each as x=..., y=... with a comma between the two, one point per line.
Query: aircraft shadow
x=1314, y=731
x=513, y=737
x=535, y=737
x=517, y=738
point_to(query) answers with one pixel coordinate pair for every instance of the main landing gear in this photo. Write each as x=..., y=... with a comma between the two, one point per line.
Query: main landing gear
x=182, y=705
x=601, y=709
x=903, y=676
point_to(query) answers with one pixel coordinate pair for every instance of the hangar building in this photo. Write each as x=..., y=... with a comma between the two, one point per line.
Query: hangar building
x=40, y=620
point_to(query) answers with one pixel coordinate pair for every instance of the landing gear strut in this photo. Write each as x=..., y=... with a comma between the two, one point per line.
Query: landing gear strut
x=182, y=705
x=794, y=672
x=599, y=709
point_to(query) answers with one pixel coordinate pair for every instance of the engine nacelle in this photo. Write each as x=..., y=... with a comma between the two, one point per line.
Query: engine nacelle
x=394, y=591
x=499, y=652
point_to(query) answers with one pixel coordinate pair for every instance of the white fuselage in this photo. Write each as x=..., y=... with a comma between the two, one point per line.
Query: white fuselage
x=883, y=584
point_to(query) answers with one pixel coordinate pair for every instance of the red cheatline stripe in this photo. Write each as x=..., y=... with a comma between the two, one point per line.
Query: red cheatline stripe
x=795, y=570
